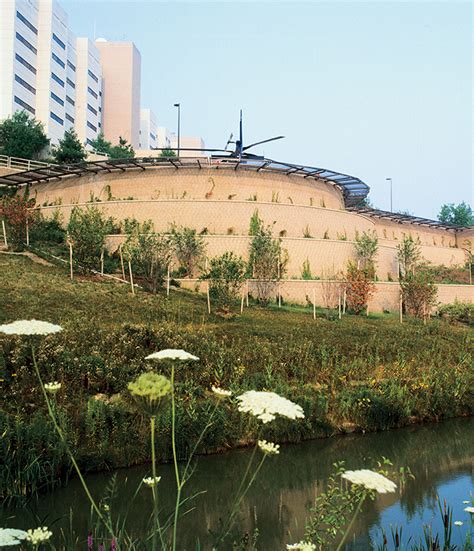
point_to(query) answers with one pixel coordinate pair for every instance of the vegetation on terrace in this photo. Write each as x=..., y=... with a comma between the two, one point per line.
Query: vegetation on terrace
x=359, y=373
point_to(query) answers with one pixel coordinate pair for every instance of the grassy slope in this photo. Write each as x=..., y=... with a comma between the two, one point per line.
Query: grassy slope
x=370, y=373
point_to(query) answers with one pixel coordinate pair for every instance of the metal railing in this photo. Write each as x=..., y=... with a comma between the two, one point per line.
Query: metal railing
x=21, y=164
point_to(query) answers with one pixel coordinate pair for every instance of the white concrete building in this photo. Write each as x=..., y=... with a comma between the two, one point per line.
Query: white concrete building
x=88, y=91
x=148, y=129
x=188, y=142
x=163, y=138
x=18, y=56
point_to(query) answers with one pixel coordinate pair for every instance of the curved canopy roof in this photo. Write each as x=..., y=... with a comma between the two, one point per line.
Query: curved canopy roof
x=353, y=189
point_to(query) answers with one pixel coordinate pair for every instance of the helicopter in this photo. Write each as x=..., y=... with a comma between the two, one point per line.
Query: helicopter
x=239, y=152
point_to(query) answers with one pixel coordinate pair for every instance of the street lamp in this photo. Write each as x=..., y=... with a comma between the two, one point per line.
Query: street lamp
x=178, y=105
x=391, y=194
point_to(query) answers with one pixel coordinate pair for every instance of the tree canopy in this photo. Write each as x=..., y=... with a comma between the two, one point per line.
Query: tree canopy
x=22, y=136
x=69, y=149
x=123, y=150
x=100, y=144
x=460, y=215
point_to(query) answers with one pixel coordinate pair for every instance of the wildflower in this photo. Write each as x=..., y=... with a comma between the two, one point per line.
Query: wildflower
x=106, y=507
x=38, y=535
x=469, y=510
x=466, y=502
x=302, y=546
x=269, y=448
x=370, y=480
x=267, y=405
x=172, y=354
x=52, y=387
x=90, y=541
x=221, y=392
x=114, y=544
x=151, y=481
x=30, y=327
x=11, y=536
x=150, y=386
x=458, y=523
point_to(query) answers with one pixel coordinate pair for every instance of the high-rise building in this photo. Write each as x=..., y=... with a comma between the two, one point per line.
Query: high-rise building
x=88, y=91
x=190, y=146
x=148, y=129
x=121, y=72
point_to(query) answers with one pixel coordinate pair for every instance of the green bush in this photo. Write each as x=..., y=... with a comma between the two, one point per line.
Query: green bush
x=49, y=230
x=458, y=312
x=226, y=275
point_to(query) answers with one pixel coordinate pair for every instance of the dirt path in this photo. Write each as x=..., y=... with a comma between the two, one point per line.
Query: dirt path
x=32, y=256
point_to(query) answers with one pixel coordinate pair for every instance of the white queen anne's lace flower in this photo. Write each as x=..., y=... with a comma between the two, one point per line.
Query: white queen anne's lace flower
x=30, y=327
x=458, y=523
x=267, y=405
x=38, y=535
x=52, y=387
x=469, y=510
x=302, y=546
x=150, y=481
x=172, y=354
x=269, y=448
x=370, y=480
x=221, y=392
x=11, y=536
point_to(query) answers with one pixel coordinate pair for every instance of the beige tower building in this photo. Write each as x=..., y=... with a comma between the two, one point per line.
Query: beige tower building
x=121, y=73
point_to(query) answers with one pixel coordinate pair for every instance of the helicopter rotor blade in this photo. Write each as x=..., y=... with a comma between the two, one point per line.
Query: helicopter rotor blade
x=263, y=141
x=187, y=149
x=229, y=141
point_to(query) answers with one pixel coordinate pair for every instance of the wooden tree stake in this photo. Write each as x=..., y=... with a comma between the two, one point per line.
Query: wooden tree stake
x=131, y=276
x=344, y=301
x=102, y=262
x=339, y=304
x=208, y=298
x=400, y=305
x=27, y=233
x=70, y=261
x=242, y=301
x=121, y=262
x=314, y=304
x=168, y=283
x=247, y=294
x=5, y=234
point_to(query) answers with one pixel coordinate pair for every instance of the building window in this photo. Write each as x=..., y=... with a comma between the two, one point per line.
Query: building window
x=57, y=98
x=59, y=41
x=26, y=22
x=70, y=100
x=56, y=118
x=91, y=109
x=69, y=118
x=91, y=92
x=152, y=136
x=58, y=60
x=89, y=142
x=71, y=66
x=25, y=84
x=91, y=126
x=70, y=82
x=25, y=63
x=57, y=79
x=93, y=77
x=23, y=104
x=26, y=43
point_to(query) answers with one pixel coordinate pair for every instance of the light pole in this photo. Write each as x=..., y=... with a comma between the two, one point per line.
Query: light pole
x=391, y=193
x=178, y=105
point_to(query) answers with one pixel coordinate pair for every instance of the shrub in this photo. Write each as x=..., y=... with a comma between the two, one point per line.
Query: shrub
x=366, y=247
x=359, y=288
x=14, y=210
x=188, y=247
x=408, y=254
x=458, y=312
x=226, y=275
x=87, y=230
x=149, y=253
x=419, y=294
x=49, y=230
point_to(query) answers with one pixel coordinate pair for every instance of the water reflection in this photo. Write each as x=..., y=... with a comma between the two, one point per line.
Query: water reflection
x=439, y=455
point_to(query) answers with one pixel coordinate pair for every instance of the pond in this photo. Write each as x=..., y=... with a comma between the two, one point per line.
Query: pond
x=439, y=455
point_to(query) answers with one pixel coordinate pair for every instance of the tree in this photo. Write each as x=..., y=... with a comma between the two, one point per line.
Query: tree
x=408, y=255
x=167, y=153
x=366, y=247
x=459, y=215
x=189, y=248
x=69, y=150
x=226, y=275
x=419, y=294
x=15, y=212
x=123, y=150
x=359, y=288
x=22, y=136
x=100, y=144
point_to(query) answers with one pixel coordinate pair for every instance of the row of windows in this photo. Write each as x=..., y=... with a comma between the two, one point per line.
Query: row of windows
x=93, y=77
x=91, y=92
x=91, y=109
x=23, y=104
x=25, y=63
x=58, y=60
x=71, y=66
x=70, y=82
x=57, y=79
x=59, y=41
x=90, y=125
x=69, y=118
x=70, y=100
x=26, y=43
x=152, y=136
x=59, y=120
x=26, y=22
x=25, y=84
x=57, y=98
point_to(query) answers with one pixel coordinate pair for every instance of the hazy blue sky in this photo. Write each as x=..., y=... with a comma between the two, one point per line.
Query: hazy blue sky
x=374, y=89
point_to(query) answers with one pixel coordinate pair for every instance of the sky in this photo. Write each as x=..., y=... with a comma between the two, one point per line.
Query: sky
x=373, y=89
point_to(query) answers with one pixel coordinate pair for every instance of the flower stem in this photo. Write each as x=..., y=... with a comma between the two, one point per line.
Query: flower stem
x=348, y=529
x=175, y=459
x=71, y=455
x=154, y=489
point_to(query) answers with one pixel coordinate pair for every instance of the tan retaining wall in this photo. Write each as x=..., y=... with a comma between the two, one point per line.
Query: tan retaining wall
x=385, y=298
